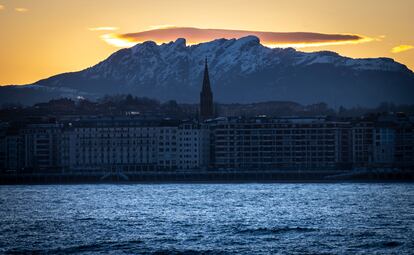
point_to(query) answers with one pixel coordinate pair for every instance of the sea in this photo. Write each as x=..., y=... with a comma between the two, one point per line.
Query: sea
x=320, y=218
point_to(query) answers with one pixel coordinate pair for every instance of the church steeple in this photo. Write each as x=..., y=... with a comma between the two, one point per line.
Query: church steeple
x=206, y=79
x=206, y=96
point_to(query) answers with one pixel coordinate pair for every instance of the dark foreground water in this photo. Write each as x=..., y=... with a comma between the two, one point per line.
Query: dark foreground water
x=208, y=219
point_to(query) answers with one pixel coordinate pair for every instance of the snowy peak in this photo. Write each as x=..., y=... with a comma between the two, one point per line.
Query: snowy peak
x=246, y=42
x=333, y=58
x=241, y=70
x=249, y=48
x=180, y=42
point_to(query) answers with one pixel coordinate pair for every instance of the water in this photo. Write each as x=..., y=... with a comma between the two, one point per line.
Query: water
x=208, y=219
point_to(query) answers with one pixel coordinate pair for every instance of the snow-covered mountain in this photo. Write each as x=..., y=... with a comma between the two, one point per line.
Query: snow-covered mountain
x=241, y=70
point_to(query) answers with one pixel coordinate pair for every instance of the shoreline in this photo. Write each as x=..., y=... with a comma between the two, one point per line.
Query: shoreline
x=209, y=177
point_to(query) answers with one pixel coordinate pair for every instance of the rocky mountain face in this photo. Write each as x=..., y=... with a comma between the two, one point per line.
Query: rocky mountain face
x=241, y=71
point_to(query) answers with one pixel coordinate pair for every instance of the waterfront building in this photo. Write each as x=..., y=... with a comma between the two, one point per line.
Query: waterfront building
x=384, y=145
x=42, y=146
x=11, y=148
x=167, y=148
x=138, y=143
x=184, y=147
x=193, y=146
x=14, y=152
x=404, y=144
x=280, y=143
x=134, y=144
x=3, y=144
x=111, y=145
x=362, y=143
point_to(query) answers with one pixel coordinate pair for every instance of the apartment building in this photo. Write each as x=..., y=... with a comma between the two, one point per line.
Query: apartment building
x=42, y=146
x=132, y=143
x=283, y=143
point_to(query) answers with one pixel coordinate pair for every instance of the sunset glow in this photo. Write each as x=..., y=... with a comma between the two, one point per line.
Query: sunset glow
x=21, y=9
x=103, y=28
x=401, y=48
x=115, y=40
x=42, y=38
x=207, y=127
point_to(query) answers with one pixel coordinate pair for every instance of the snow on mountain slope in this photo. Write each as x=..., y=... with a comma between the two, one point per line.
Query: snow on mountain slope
x=241, y=70
x=175, y=60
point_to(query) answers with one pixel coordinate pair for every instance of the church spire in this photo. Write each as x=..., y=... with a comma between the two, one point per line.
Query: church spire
x=206, y=96
x=206, y=79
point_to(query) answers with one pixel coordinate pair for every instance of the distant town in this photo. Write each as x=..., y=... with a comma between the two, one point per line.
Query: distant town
x=125, y=134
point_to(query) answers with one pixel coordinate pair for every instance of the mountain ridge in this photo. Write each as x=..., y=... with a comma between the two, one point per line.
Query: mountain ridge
x=241, y=70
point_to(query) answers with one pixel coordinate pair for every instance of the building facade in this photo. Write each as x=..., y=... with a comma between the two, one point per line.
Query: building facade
x=263, y=143
x=362, y=142
x=384, y=142
x=42, y=146
x=131, y=144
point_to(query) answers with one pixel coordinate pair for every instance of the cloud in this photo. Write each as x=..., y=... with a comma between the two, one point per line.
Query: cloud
x=113, y=39
x=161, y=27
x=103, y=28
x=401, y=48
x=21, y=9
x=198, y=35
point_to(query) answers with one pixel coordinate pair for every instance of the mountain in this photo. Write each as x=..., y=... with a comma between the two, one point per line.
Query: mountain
x=241, y=71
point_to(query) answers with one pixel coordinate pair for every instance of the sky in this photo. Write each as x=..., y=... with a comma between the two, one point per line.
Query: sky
x=40, y=38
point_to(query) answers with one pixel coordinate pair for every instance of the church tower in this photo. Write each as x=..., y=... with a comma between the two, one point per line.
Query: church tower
x=206, y=97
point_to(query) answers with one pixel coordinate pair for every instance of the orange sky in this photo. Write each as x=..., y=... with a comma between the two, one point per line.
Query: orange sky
x=45, y=37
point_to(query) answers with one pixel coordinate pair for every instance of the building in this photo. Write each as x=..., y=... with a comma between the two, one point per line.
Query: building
x=110, y=144
x=404, y=144
x=134, y=144
x=281, y=143
x=193, y=146
x=3, y=144
x=185, y=146
x=42, y=143
x=11, y=147
x=14, y=154
x=384, y=144
x=362, y=142
x=206, y=97
x=138, y=143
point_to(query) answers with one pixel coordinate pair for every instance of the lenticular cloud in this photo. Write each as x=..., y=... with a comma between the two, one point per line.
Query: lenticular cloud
x=199, y=35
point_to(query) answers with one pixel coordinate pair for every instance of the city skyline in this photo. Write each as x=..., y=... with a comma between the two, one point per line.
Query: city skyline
x=44, y=38
x=206, y=127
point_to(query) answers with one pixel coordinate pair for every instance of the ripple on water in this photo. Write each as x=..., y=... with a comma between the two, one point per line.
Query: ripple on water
x=275, y=230
x=207, y=219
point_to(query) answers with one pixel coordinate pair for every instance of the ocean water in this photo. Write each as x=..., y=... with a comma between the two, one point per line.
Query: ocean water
x=207, y=219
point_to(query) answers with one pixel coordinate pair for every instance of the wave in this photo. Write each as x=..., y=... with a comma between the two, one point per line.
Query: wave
x=85, y=219
x=275, y=230
x=381, y=244
x=185, y=252
x=99, y=247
